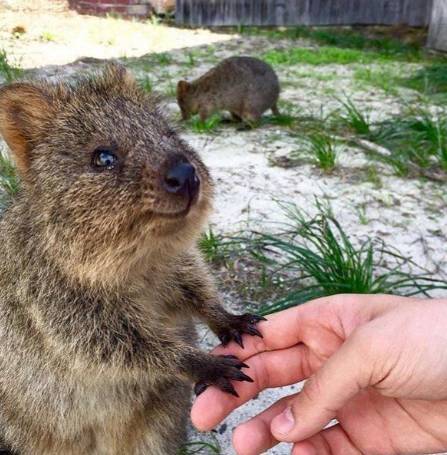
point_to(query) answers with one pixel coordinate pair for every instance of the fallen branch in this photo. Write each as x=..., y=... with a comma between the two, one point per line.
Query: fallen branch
x=386, y=154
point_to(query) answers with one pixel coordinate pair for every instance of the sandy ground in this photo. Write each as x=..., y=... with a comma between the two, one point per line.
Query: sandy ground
x=56, y=35
x=409, y=214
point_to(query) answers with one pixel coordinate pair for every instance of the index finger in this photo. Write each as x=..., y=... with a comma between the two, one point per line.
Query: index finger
x=315, y=322
x=280, y=331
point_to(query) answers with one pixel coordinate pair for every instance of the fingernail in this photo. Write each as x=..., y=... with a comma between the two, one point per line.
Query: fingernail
x=284, y=422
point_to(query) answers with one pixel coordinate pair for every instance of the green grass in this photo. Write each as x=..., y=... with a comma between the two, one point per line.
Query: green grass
x=306, y=74
x=361, y=212
x=162, y=58
x=191, y=59
x=351, y=39
x=373, y=177
x=113, y=16
x=149, y=63
x=317, y=258
x=430, y=80
x=323, y=55
x=417, y=137
x=48, y=37
x=211, y=245
x=323, y=150
x=9, y=181
x=353, y=118
x=230, y=255
x=385, y=78
x=171, y=91
x=286, y=117
x=199, y=447
x=6, y=68
x=413, y=143
x=311, y=256
x=364, y=39
x=146, y=84
x=154, y=20
x=218, y=248
x=363, y=47
x=204, y=127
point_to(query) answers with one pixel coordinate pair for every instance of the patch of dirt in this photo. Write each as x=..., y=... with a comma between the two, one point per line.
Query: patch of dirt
x=25, y=6
x=36, y=34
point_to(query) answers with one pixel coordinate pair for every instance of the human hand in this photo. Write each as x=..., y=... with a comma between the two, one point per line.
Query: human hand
x=376, y=363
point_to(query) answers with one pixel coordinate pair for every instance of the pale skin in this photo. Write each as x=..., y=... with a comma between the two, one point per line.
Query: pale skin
x=378, y=364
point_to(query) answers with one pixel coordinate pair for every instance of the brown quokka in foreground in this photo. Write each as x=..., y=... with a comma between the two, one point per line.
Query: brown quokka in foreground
x=244, y=86
x=99, y=276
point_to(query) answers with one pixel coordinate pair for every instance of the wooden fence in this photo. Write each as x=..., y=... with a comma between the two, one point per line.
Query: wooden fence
x=304, y=12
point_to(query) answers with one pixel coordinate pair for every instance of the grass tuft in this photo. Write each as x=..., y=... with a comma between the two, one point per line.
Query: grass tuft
x=319, y=259
x=311, y=256
x=283, y=119
x=146, y=84
x=352, y=117
x=199, y=447
x=323, y=149
x=48, y=37
x=430, y=80
x=6, y=69
x=162, y=58
x=210, y=244
x=191, y=59
x=204, y=127
x=418, y=137
x=373, y=177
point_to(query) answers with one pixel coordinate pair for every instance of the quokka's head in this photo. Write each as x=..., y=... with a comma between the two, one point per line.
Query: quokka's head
x=110, y=181
x=187, y=99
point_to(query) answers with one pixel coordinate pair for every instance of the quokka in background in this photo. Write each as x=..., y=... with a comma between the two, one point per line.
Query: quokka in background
x=244, y=86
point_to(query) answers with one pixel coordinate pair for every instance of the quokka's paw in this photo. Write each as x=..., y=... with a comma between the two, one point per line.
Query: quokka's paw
x=220, y=373
x=238, y=325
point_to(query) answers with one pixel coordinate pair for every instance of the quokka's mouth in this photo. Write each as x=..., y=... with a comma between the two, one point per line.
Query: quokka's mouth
x=173, y=215
x=181, y=213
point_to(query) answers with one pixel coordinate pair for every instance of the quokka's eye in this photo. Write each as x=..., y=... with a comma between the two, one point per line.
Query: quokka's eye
x=104, y=158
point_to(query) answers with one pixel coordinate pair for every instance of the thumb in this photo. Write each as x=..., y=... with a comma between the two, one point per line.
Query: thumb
x=341, y=377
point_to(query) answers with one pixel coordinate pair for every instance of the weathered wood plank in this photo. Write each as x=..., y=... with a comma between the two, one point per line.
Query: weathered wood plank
x=303, y=12
x=437, y=37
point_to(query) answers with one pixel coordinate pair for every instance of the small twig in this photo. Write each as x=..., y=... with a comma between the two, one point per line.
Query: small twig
x=385, y=153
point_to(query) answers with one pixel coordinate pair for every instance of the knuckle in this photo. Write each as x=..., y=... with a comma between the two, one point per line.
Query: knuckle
x=312, y=389
x=260, y=372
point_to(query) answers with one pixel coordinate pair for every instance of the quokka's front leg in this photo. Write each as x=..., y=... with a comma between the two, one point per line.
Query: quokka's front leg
x=227, y=326
x=199, y=293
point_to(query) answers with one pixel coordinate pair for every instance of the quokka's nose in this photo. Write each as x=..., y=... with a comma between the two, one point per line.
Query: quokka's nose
x=182, y=179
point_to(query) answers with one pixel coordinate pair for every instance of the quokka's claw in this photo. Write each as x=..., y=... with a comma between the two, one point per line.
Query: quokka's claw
x=239, y=325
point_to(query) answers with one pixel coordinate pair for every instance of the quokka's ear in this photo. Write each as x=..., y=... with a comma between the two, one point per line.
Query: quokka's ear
x=25, y=110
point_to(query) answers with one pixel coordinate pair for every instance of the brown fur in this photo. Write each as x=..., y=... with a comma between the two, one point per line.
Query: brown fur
x=100, y=276
x=245, y=86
